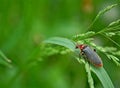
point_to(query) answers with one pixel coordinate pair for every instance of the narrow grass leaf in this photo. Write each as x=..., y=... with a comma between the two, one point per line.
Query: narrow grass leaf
x=103, y=77
x=4, y=57
x=4, y=60
x=62, y=42
x=90, y=79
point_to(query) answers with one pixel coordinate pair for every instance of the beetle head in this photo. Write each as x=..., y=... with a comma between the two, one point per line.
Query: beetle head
x=82, y=46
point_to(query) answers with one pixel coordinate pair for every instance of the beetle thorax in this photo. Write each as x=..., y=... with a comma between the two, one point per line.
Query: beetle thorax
x=81, y=47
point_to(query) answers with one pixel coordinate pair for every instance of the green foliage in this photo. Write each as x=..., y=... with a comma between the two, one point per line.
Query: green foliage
x=83, y=36
x=4, y=60
x=102, y=75
x=61, y=41
x=90, y=79
x=86, y=38
x=114, y=23
x=27, y=62
x=115, y=59
x=101, y=13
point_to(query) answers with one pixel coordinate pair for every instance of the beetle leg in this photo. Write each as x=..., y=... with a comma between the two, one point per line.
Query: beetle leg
x=94, y=50
x=84, y=56
x=81, y=54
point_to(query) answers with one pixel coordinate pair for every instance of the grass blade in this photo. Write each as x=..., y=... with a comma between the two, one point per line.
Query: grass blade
x=100, y=72
x=5, y=60
x=61, y=41
x=90, y=79
x=4, y=57
x=103, y=77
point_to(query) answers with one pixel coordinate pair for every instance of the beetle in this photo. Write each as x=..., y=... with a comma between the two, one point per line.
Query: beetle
x=90, y=55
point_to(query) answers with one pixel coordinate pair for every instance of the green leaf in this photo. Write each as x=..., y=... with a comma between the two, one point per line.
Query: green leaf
x=90, y=79
x=100, y=72
x=4, y=60
x=62, y=42
x=103, y=77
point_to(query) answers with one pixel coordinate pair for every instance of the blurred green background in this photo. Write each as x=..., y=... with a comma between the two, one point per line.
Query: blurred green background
x=24, y=24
